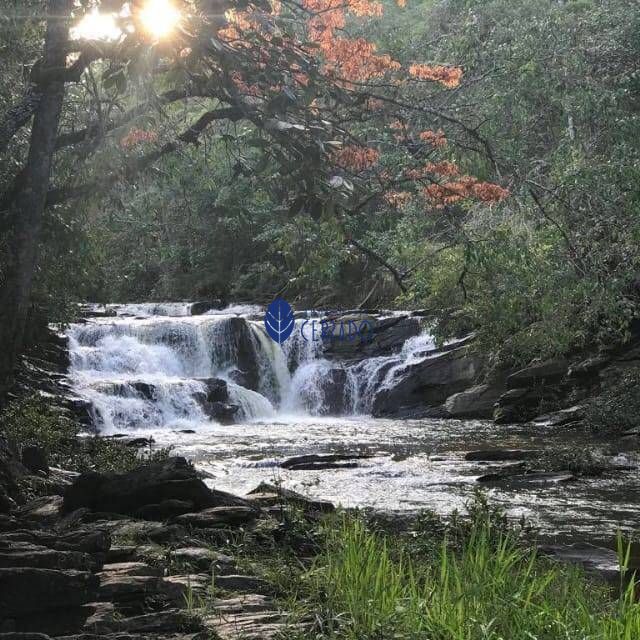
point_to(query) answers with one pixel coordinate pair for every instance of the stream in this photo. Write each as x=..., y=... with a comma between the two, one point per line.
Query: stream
x=144, y=368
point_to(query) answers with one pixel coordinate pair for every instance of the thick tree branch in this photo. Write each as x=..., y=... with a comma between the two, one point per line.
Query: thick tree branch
x=397, y=276
x=76, y=137
x=138, y=165
x=18, y=115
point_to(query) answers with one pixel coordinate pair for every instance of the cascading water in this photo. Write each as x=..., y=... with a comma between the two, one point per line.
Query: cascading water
x=146, y=368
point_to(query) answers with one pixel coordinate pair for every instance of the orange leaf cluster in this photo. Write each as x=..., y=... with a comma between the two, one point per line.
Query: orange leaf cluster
x=398, y=199
x=464, y=188
x=444, y=168
x=356, y=60
x=447, y=76
x=434, y=138
x=136, y=137
x=370, y=8
x=356, y=159
x=349, y=59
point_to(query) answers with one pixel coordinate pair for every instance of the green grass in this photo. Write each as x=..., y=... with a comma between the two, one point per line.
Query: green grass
x=369, y=586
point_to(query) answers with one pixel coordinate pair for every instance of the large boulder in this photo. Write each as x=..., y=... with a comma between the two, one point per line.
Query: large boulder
x=539, y=373
x=152, y=484
x=428, y=381
x=476, y=402
x=214, y=401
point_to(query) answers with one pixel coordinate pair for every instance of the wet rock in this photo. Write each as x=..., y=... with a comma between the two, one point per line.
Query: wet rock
x=25, y=590
x=537, y=374
x=476, y=402
x=588, y=368
x=222, y=412
x=595, y=560
x=430, y=381
x=521, y=405
x=216, y=390
x=570, y=415
x=524, y=479
x=35, y=459
x=309, y=505
x=199, y=308
x=321, y=460
x=499, y=455
x=333, y=385
x=218, y=517
x=171, y=479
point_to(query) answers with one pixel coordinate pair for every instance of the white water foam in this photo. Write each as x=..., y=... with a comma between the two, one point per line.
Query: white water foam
x=148, y=371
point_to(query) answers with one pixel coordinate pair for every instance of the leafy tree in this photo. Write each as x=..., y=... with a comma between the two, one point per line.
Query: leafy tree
x=321, y=109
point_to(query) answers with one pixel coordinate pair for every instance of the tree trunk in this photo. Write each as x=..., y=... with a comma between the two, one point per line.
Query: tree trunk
x=25, y=213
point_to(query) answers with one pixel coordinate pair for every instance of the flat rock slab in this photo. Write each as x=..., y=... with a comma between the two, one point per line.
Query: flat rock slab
x=319, y=460
x=524, y=479
x=249, y=617
x=287, y=496
x=120, y=588
x=44, y=510
x=47, y=559
x=218, y=517
x=501, y=455
x=117, y=569
x=26, y=590
x=171, y=620
x=596, y=560
x=244, y=584
x=89, y=541
x=204, y=559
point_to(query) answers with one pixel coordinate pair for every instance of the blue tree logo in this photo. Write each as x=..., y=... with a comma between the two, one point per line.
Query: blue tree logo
x=279, y=321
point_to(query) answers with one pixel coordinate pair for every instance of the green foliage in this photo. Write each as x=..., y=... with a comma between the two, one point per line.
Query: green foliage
x=617, y=408
x=32, y=421
x=490, y=587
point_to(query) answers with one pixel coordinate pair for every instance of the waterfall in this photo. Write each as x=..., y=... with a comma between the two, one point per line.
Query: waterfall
x=151, y=366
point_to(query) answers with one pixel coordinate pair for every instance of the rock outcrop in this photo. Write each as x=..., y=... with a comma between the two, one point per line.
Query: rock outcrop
x=155, y=484
x=430, y=381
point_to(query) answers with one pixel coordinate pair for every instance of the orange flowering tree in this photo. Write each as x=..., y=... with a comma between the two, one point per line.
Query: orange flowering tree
x=323, y=105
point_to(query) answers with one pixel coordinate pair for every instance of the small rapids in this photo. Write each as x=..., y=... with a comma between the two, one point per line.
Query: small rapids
x=146, y=368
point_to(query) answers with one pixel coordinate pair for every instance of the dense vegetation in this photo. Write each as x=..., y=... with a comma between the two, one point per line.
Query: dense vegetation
x=547, y=107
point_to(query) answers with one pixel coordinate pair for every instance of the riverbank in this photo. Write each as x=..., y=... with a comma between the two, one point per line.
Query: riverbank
x=155, y=553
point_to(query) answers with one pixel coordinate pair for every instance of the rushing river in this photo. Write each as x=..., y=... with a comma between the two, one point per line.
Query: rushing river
x=143, y=369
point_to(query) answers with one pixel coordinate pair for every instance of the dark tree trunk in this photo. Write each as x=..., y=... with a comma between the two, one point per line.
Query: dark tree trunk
x=24, y=215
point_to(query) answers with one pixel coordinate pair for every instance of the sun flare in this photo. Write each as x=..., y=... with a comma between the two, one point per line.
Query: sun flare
x=159, y=17
x=97, y=26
